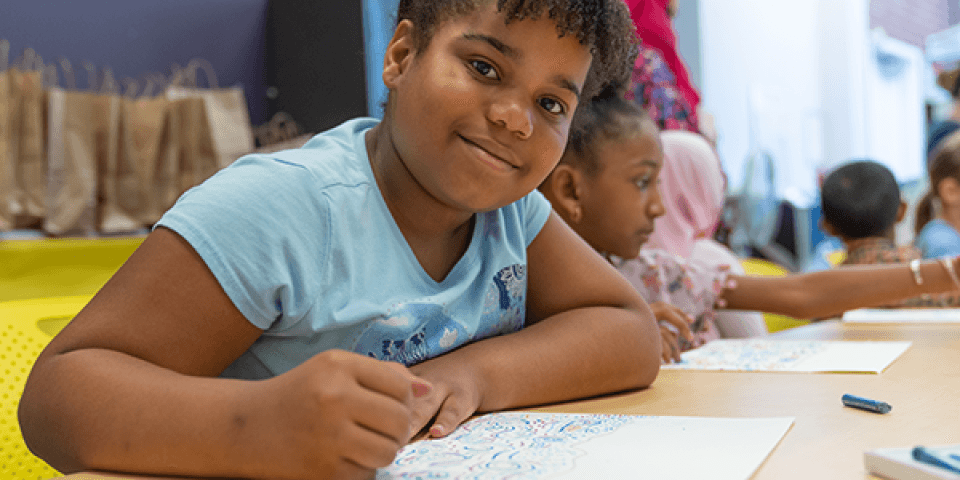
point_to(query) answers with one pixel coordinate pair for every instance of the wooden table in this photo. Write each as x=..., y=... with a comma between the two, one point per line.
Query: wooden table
x=827, y=440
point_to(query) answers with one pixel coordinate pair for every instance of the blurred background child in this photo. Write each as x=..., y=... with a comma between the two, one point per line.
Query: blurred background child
x=938, y=212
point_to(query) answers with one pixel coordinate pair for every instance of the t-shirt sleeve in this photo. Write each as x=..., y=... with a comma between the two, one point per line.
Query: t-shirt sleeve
x=938, y=240
x=536, y=210
x=261, y=231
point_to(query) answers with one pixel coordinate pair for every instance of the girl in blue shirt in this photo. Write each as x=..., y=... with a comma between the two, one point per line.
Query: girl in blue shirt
x=938, y=212
x=303, y=314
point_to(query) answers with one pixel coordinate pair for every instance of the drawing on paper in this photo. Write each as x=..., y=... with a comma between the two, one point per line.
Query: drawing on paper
x=507, y=445
x=750, y=355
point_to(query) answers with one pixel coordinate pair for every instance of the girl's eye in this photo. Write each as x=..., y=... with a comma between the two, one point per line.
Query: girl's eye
x=484, y=68
x=552, y=106
x=642, y=182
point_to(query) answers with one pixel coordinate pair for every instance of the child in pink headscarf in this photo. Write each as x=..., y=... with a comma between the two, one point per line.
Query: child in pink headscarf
x=693, y=189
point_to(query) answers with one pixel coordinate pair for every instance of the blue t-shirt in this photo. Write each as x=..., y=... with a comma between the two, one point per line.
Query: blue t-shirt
x=306, y=248
x=938, y=239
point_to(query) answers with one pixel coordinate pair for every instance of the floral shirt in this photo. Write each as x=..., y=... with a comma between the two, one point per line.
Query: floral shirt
x=872, y=251
x=691, y=286
x=654, y=87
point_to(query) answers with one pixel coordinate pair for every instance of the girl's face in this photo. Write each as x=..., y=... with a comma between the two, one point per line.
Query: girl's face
x=481, y=116
x=621, y=202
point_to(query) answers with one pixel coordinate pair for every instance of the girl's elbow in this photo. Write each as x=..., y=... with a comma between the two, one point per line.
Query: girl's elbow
x=647, y=347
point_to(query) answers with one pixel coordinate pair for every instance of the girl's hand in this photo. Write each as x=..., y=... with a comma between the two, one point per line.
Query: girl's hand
x=673, y=323
x=455, y=396
x=337, y=415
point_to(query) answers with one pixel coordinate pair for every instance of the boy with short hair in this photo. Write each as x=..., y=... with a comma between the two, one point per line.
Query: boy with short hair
x=861, y=206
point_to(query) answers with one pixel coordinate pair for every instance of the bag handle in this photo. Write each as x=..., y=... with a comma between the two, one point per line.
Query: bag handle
x=69, y=78
x=132, y=86
x=202, y=63
x=50, y=77
x=109, y=84
x=4, y=54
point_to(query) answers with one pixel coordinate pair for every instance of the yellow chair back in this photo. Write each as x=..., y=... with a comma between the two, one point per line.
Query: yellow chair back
x=60, y=266
x=26, y=326
x=757, y=266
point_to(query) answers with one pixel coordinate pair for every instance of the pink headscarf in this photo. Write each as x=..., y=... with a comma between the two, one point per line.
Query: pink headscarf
x=692, y=186
x=655, y=30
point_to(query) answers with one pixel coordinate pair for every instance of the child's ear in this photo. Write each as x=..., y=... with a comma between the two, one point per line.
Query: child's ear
x=400, y=52
x=827, y=228
x=563, y=189
x=902, y=211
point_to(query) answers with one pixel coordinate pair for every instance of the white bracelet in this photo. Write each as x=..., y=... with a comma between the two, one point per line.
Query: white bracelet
x=948, y=265
x=915, y=268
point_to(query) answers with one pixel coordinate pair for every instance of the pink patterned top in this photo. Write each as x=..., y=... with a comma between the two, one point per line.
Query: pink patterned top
x=691, y=286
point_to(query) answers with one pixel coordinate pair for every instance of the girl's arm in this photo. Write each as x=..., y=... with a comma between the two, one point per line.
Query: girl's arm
x=130, y=385
x=588, y=332
x=832, y=292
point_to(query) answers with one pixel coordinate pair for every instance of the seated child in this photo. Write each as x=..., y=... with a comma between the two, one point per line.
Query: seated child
x=302, y=314
x=693, y=190
x=605, y=188
x=938, y=212
x=861, y=206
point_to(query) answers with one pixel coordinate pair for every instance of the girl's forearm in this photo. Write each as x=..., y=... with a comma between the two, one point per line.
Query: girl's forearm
x=96, y=409
x=831, y=292
x=575, y=354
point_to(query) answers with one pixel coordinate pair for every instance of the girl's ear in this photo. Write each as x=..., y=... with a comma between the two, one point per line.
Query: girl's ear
x=564, y=189
x=400, y=52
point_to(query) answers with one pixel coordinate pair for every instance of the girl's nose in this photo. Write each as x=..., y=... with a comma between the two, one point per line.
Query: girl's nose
x=513, y=115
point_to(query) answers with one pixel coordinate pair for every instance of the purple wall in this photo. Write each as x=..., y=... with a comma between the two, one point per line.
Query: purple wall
x=136, y=37
x=910, y=20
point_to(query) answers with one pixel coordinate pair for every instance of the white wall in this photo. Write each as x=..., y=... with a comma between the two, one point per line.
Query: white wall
x=760, y=77
x=800, y=79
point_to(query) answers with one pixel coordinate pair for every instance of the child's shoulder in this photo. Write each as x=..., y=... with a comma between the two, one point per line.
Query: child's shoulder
x=336, y=156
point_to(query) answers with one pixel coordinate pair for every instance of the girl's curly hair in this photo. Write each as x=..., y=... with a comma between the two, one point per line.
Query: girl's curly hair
x=603, y=25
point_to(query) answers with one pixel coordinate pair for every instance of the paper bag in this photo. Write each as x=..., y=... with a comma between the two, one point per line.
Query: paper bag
x=120, y=195
x=140, y=129
x=27, y=143
x=72, y=163
x=226, y=113
x=7, y=184
x=197, y=152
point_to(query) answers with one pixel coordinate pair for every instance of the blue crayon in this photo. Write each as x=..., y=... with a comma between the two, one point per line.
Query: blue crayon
x=874, y=406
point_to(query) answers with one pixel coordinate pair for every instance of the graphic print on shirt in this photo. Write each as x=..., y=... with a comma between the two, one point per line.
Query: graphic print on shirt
x=413, y=332
x=505, y=305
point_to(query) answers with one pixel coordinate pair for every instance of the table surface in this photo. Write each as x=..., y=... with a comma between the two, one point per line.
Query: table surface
x=827, y=440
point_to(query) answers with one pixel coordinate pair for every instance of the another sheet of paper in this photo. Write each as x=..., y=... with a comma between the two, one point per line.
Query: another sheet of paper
x=531, y=445
x=810, y=356
x=902, y=315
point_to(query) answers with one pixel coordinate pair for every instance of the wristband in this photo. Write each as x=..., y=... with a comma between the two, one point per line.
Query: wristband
x=915, y=268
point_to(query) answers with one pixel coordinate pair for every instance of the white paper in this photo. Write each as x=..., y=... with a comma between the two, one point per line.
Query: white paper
x=528, y=445
x=903, y=315
x=792, y=356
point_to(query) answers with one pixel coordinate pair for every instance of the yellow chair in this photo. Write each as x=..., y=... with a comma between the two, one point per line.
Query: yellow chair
x=756, y=266
x=26, y=326
x=56, y=267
